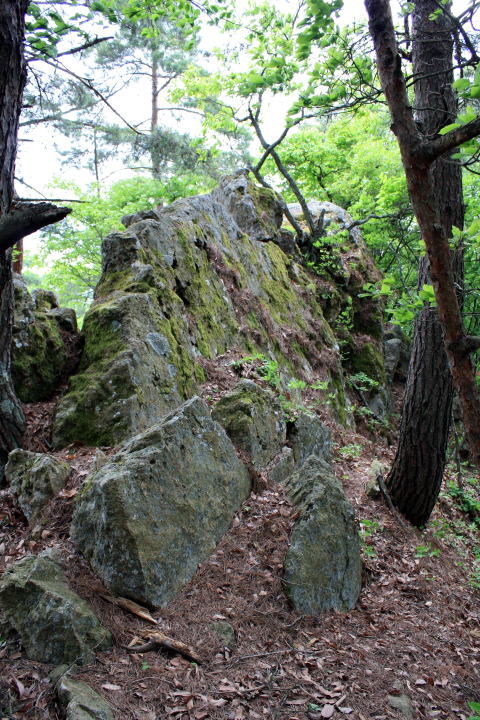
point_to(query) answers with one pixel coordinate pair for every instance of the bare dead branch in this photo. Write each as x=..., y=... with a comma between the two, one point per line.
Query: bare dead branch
x=159, y=641
x=27, y=218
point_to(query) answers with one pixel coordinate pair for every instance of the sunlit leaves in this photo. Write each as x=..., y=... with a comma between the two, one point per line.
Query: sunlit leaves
x=316, y=23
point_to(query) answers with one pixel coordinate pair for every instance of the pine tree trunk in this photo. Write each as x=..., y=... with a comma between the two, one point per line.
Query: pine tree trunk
x=416, y=475
x=154, y=154
x=12, y=81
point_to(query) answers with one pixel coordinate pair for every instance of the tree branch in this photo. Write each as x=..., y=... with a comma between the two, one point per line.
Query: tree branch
x=88, y=84
x=282, y=169
x=85, y=46
x=286, y=211
x=26, y=218
x=458, y=25
x=451, y=140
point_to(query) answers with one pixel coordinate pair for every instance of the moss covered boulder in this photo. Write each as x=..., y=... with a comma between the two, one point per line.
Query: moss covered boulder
x=55, y=625
x=157, y=509
x=253, y=420
x=34, y=478
x=322, y=569
x=38, y=347
x=187, y=282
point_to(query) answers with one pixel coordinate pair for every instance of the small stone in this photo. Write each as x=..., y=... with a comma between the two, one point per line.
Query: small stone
x=284, y=466
x=99, y=459
x=403, y=704
x=81, y=702
x=225, y=633
x=372, y=487
x=307, y=436
x=322, y=568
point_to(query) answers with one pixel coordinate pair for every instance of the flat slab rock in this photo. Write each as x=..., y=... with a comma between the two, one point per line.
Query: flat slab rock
x=322, y=569
x=148, y=517
x=55, y=625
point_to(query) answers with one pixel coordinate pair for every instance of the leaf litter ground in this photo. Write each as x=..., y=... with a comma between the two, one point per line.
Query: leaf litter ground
x=415, y=630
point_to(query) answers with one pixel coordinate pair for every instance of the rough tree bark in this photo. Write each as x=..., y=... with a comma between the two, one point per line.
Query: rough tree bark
x=435, y=192
x=18, y=220
x=416, y=475
x=12, y=82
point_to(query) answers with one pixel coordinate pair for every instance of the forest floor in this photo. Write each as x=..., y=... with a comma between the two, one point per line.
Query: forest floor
x=415, y=632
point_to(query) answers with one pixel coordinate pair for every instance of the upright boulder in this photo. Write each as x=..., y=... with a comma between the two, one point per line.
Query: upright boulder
x=35, y=479
x=322, y=568
x=55, y=625
x=38, y=348
x=148, y=517
x=253, y=420
x=307, y=435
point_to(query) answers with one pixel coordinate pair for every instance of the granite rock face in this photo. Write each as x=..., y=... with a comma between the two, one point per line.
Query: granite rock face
x=157, y=509
x=54, y=624
x=34, y=479
x=322, y=568
x=253, y=420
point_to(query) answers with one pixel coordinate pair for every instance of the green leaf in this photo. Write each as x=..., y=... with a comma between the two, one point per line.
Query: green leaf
x=461, y=84
x=447, y=128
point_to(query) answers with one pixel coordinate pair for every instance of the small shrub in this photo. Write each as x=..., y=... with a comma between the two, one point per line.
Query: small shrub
x=427, y=550
x=351, y=451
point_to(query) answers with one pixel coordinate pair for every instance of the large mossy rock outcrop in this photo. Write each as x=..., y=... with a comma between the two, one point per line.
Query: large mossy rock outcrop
x=254, y=421
x=193, y=280
x=39, y=353
x=34, y=478
x=157, y=509
x=54, y=624
x=322, y=569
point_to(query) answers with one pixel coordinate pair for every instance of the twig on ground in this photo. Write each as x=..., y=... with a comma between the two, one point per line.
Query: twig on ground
x=160, y=641
x=388, y=499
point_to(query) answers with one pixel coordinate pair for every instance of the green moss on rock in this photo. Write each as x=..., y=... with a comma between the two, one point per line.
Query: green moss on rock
x=38, y=349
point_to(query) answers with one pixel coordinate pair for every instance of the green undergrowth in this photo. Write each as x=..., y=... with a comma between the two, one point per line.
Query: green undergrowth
x=295, y=395
x=459, y=524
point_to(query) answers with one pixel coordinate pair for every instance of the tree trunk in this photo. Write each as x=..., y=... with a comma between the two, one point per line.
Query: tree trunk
x=435, y=191
x=416, y=475
x=12, y=82
x=154, y=154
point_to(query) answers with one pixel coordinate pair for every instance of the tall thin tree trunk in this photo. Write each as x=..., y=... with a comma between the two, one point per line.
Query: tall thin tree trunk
x=154, y=155
x=12, y=82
